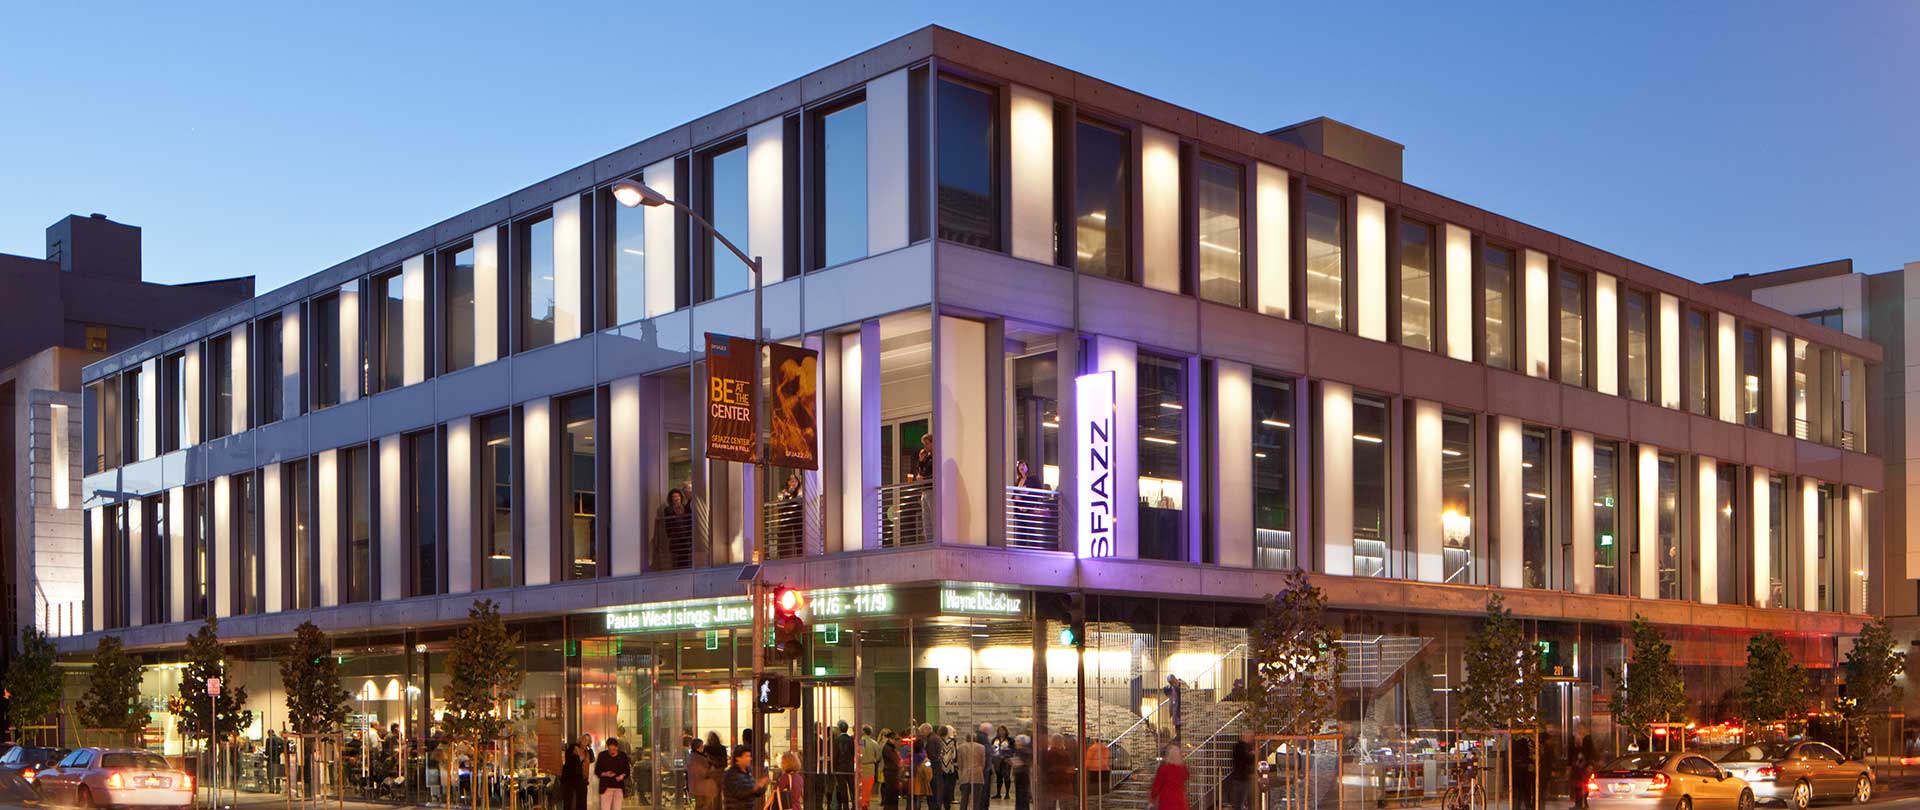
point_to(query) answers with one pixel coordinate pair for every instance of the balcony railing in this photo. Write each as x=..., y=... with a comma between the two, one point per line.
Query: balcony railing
x=673, y=543
x=1033, y=519
x=784, y=524
x=905, y=512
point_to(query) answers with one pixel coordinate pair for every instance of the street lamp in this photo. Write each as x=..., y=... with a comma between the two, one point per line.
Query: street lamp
x=631, y=193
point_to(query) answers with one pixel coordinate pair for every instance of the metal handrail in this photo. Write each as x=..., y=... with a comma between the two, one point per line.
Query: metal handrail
x=905, y=512
x=675, y=537
x=1033, y=518
x=1214, y=670
x=783, y=523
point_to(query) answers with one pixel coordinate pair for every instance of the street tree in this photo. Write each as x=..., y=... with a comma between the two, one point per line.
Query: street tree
x=316, y=703
x=484, y=673
x=1501, y=690
x=32, y=683
x=1776, y=686
x=1651, y=690
x=1299, y=661
x=199, y=714
x=111, y=705
x=1873, y=668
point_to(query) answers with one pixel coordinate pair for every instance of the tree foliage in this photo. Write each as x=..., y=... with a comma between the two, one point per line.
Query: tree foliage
x=1776, y=687
x=316, y=703
x=1503, y=678
x=1652, y=690
x=32, y=681
x=1873, y=669
x=483, y=671
x=1300, y=662
x=112, y=700
x=206, y=659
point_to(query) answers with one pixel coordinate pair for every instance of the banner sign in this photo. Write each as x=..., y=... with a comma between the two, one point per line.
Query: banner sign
x=732, y=376
x=1094, y=463
x=793, y=433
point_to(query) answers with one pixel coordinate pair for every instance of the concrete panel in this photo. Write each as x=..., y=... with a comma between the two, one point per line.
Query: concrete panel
x=874, y=286
x=400, y=410
x=1265, y=342
x=1138, y=314
x=1345, y=358
x=888, y=165
x=986, y=282
x=551, y=370
x=1450, y=382
x=1604, y=415
x=1518, y=395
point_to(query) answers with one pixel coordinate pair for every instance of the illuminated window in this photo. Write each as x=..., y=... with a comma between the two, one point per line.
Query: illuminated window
x=1325, y=218
x=1102, y=157
x=534, y=270
x=1699, y=362
x=496, y=481
x=1456, y=499
x=390, y=330
x=1162, y=400
x=1370, y=435
x=1497, y=294
x=579, y=471
x=1273, y=530
x=457, y=335
x=96, y=338
x=1416, y=285
x=1219, y=194
x=1606, y=518
x=1666, y=527
x=1636, y=322
x=1728, y=557
x=1570, y=293
x=1536, y=508
x=356, y=492
x=297, y=506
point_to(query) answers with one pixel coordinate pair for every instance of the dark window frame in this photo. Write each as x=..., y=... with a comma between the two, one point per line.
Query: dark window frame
x=813, y=167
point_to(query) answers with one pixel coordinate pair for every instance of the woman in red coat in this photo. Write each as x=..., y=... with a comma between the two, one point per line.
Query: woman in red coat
x=1169, y=788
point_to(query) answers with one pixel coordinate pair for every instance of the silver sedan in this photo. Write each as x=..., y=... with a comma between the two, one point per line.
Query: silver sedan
x=111, y=777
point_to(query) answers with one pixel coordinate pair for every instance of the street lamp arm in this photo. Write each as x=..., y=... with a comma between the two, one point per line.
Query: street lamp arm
x=752, y=264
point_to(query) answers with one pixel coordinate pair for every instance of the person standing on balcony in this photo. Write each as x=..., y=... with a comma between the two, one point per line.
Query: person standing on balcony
x=1169, y=788
x=1020, y=473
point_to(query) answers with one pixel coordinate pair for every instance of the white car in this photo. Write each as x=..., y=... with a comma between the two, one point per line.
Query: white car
x=115, y=777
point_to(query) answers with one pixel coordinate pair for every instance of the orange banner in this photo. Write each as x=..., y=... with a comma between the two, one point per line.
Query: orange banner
x=793, y=436
x=732, y=377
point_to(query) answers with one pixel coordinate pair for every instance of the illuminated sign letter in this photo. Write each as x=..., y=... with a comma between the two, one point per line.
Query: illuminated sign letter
x=1093, y=459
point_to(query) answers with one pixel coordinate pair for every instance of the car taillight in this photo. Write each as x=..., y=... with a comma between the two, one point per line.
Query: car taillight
x=185, y=783
x=1593, y=786
x=27, y=774
x=1767, y=772
x=1659, y=781
x=114, y=780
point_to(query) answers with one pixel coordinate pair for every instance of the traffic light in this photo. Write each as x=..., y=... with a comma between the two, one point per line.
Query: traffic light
x=774, y=693
x=789, y=630
x=1075, y=633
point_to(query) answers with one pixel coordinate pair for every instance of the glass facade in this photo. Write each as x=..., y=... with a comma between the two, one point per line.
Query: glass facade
x=842, y=184
x=726, y=207
x=627, y=280
x=579, y=475
x=536, y=283
x=1222, y=255
x=1273, y=514
x=1606, y=519
x=1162, y=450
x=1102, y=159
x=968, y=164
x=457, y=339
x=356, y=492
x=1570, y=297
x=390, y=330
x=297, y=505
x=1416, y=285
x=1497, y=302
x=1325, y=231
x=1636, y=345
x=497, y=477
x=1698, y=363
x=1371, y=432
x=1458, y=546
x=1536, y=508
x=325, y=349
x=1666, y=528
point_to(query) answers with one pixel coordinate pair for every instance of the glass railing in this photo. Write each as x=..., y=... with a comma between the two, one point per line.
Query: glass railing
x=784, y=525
x=906, y=512
x=1033, y=519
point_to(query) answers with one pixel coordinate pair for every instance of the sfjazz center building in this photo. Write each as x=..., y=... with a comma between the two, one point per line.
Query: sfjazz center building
x=1066, y=338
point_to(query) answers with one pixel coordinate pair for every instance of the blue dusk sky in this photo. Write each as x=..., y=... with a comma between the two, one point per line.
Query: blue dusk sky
x=275, y=139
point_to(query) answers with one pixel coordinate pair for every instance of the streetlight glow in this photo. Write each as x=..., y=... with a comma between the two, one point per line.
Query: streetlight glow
x=632, y=193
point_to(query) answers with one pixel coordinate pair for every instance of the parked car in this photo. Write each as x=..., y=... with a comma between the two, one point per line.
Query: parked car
x=1799, y=774
x=30, y=760
x=1672, y=781
x=115, y=777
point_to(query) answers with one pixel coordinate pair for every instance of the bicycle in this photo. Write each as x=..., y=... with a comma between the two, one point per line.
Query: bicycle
x=1465, y=793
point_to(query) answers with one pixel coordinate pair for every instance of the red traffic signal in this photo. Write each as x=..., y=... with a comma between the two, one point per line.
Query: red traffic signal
x=788, y=600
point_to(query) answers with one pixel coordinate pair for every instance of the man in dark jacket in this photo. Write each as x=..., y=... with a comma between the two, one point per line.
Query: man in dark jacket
x=613, y=768
x=740, y=789
x=841, y=763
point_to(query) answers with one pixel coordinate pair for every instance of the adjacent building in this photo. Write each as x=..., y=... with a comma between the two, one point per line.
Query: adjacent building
x=1072, y=339
x=84, y=301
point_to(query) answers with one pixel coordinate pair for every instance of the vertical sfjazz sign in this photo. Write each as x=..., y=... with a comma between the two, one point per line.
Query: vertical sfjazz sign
x=1093, y=459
